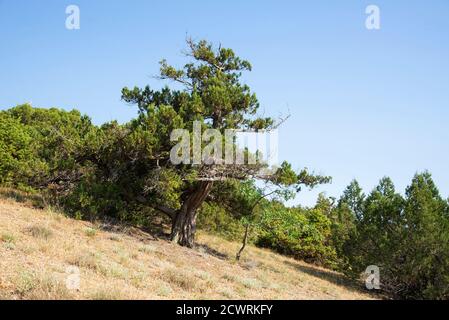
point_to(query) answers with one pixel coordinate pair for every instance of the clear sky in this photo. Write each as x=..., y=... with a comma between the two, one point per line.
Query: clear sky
x=363, y=103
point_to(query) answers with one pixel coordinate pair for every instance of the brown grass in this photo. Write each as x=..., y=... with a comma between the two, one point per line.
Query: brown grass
x=37, y=247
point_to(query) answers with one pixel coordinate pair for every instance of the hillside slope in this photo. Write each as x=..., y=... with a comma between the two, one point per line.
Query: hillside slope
x=38, y=246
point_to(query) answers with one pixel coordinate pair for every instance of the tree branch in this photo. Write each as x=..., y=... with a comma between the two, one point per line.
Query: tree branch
x=168, y=211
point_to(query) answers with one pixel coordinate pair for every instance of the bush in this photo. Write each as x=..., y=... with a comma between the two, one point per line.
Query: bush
x=217, y=220
x=301, y=233
x=41, y=147
x=19, y=162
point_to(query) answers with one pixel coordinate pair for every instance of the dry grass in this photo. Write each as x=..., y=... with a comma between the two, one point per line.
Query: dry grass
x=38, y=246
x=40, y=286
x=40, y=232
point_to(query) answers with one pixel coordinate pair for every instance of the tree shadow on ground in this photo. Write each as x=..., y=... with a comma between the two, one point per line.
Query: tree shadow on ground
x=31, y=199
x=142, y=233
x=333, y=277
x=152, y=231
x=204, y=248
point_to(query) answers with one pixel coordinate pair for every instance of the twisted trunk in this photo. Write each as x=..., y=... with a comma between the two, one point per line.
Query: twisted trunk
x=184, y=221
x=244, y=242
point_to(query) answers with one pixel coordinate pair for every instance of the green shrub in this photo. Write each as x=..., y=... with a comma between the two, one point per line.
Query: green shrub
x=40, y=148
x=301, y=233
x=217, y=220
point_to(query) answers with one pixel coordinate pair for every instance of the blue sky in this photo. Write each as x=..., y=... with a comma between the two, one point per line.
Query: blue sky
x=363, y=103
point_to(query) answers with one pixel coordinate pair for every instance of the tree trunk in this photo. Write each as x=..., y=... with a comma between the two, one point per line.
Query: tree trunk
x=184, y=222
x=245, y=241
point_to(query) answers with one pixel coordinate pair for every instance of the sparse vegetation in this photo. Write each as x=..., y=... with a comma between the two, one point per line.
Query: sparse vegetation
x=8, y=238
x=107, y=294
x=111, y=270
x=85, y=260
x=40, y=232
x=90, y=232
x=36, y=286
x=185, y=281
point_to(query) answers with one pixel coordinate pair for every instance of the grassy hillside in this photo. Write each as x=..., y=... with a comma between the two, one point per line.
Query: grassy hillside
x=37, y=247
